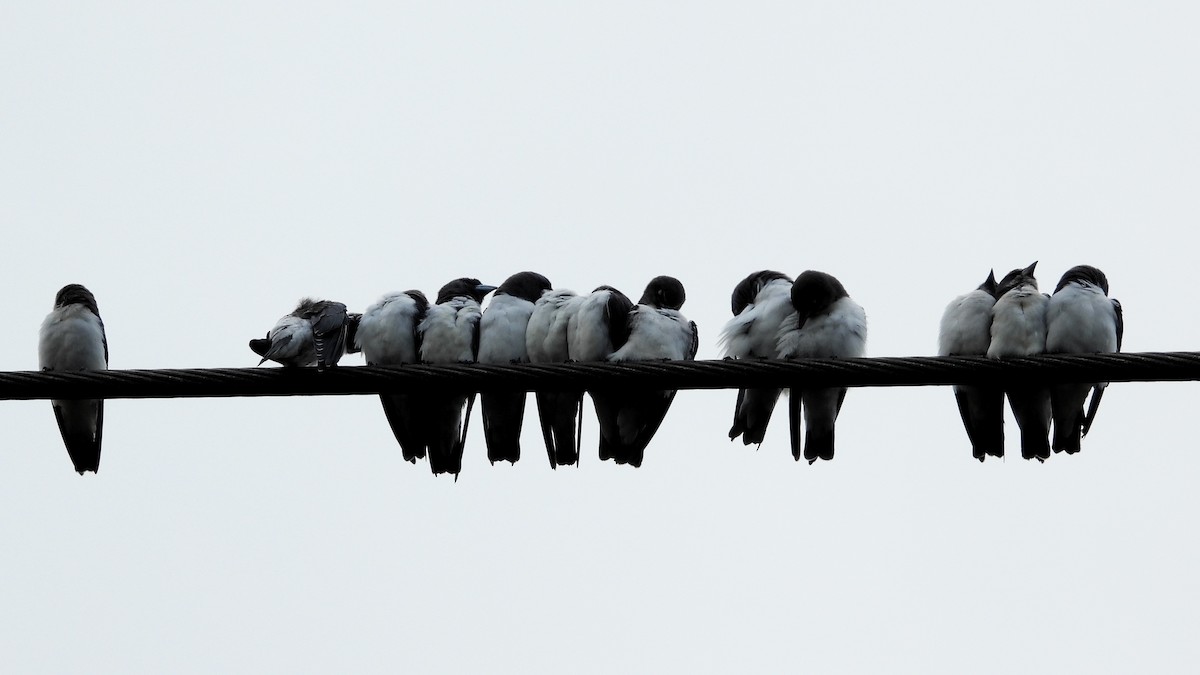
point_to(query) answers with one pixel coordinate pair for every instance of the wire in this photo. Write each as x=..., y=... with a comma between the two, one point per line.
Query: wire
x=722, y=374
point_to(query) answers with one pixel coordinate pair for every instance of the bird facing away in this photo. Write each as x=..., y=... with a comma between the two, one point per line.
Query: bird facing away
x=657, y=332
x=502, y=340
x=387, y=336
x=966, y=330
x=1080, y=319
x=761, y=302
x=546, y=342
x=72, y=338
x=825, y=323
x=598, y=327
x=1019, y=329
x=313, y=334
x=449, y=333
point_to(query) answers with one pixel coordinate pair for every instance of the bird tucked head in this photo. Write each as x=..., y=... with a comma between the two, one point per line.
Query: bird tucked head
x=464, y=287
x=664, y=293
x=1016, y=279
x=1084, y=274
x=748, y=289
x=525, y=285
x=76, y=294
x=814, y=293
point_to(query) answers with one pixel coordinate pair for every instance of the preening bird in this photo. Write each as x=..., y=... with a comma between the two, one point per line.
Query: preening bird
x=72, y=338
x=502, y=340
x=657, y=331
x=1080, y=319
x=546, y=342
x=966, y=330
x=313, y=334
x=449, y=333
x=761, y=302
x=1019, y=329
x=386, y=335
x=825, y=323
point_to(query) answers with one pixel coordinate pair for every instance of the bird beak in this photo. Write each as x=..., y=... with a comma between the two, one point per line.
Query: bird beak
x=1029, y=270
x=801, y=319
x=484, y=289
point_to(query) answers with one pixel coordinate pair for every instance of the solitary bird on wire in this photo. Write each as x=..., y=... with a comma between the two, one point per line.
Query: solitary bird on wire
x=546, y=342
x=313, y=334
x=387, y=336
x=449, y=333
x=1080, y=319
x=761, y=302
x=825, y=324
x=598, y=327
x=966, y=330
x=657, y=331
x=502, y=340
x=1019, y=329
x=72, y=338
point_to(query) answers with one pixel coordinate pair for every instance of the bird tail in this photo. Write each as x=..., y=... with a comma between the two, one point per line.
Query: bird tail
x=81, y=423
x=982, y=411
x=1031, y=407
x=448, y=432
x=752, y=414
x=821, y=408
x=558, y=413
x=629, y=421
x=503, y=413
x=1066, y=405
x=406, y=419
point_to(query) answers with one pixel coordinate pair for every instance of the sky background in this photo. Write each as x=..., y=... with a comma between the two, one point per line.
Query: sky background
x=201, y=166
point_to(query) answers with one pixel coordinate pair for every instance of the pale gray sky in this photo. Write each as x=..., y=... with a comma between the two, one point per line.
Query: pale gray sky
x=202, y=166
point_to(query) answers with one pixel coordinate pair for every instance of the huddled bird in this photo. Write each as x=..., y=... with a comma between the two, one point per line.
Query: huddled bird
x=502, y=333
x=312, y=334
x=1080, y=319
x=1019, y=329
x=72, y=338
x=656, y=331
x=598, y=327
x=760, y=303
x=966, y=330
x=449, y=333
x=825, y=323
x=386, y=334
x=546, y=342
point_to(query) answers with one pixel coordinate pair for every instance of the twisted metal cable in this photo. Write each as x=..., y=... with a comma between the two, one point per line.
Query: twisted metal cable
x=726, y=374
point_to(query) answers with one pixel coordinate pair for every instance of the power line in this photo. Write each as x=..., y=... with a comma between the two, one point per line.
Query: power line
x=716, y=374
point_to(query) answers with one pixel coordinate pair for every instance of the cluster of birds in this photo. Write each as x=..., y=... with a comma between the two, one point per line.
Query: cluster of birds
x=529, y=321
x=1012, y=318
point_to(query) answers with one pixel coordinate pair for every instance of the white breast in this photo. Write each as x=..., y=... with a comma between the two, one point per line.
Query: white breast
x=502, y=330
x=655, y=334
x=966, y=327
x=546, y=336
x=386, y=331
x=754, y=331
x=839, y=333
x=1081, y=319
x=588, y=338
x=71, y=338
x=1018, y=323
x=448, y=331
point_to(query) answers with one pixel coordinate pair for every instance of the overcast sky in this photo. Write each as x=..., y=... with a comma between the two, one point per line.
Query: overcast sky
x=201, y=166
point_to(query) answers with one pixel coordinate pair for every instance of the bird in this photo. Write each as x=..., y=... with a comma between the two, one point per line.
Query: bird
x=72, y=338
x=312, y=334
x=825, y=323
x=449, y=333
x=502, y=333
x=760, y=302
x=598, y=326
x=1019, y=329
x=386, y=334
x=546, y=342
x=656, y=331
x=966, y=330
x=1080, y=319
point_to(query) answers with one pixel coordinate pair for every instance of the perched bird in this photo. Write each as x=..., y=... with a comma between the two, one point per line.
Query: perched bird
x=598, y=327
x=1080, y=319
x=761, y=302
x=825, y=324
x=72, y=338
x=1019, y=329
x=966, y=330
x=657, y=331
x=314, y=333
x=386, y=334
x=546, y=342
x=502, y=340
x=449, y=333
